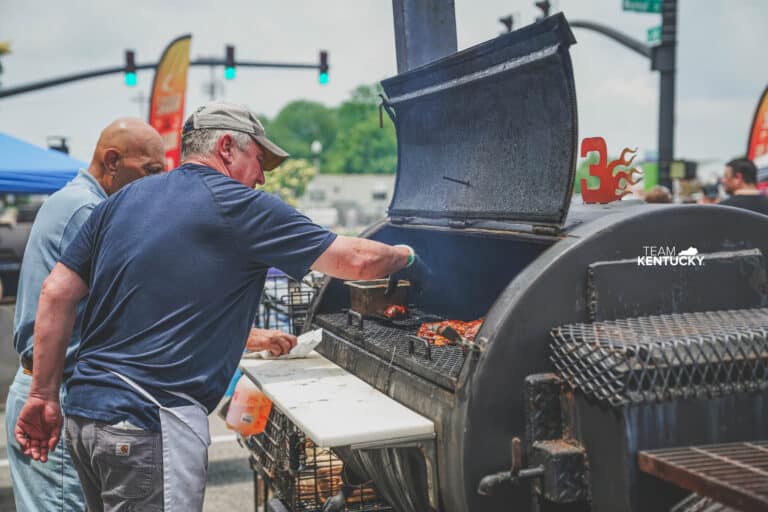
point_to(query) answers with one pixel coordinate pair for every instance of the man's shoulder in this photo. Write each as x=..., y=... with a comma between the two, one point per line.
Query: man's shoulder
x=72, y=197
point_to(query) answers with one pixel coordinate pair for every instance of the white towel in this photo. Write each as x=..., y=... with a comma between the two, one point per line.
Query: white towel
x=305, y=344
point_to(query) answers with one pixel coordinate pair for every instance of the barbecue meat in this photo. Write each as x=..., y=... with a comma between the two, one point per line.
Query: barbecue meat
x=430, y=331
x=396, y=312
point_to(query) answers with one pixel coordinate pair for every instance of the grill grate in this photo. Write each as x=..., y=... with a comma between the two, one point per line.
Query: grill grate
x=303, y=475
x=392, y=343
x=665, y=357
x=735, y=474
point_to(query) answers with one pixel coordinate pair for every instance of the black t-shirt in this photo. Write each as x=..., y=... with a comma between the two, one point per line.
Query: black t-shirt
x=757, y=203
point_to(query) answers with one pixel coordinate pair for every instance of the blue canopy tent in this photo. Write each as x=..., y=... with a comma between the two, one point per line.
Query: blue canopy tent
x=29, y=169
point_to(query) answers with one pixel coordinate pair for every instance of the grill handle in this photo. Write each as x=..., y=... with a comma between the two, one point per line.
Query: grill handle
x=354, y=316
x=412, y=340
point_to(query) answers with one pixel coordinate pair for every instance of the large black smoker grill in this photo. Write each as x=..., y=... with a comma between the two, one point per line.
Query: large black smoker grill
x=486, y=158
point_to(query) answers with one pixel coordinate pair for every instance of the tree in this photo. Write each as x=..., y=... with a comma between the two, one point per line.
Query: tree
x=289, y=180
x=361, y=145
x=300, y=123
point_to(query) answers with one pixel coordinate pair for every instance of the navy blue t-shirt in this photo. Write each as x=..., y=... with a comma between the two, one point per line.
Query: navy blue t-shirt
x=176, y=264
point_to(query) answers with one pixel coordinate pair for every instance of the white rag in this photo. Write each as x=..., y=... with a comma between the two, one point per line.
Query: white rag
x=305, y=344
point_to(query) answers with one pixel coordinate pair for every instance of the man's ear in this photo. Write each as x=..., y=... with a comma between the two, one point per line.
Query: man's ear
x=225, y=148
x=112, y=160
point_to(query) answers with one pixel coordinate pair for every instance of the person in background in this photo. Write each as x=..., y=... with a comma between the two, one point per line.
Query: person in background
x=740, y=182
x=658, y=194
x=127, y=149
x=173, y=267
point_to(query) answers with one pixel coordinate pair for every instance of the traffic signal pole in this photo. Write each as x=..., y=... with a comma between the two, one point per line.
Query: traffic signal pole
x=53, y=82
x=664, y=60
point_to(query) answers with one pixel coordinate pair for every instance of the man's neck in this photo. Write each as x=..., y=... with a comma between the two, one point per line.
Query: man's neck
x=207, y=162
x=100, y=176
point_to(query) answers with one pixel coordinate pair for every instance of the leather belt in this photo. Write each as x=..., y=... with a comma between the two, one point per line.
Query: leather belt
x=26, y=363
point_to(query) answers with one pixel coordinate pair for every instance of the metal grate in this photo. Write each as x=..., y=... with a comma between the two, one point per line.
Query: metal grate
x=665, y=357
x=734, y=474
x=393, y=343
x=302, y=475
x=285, y=302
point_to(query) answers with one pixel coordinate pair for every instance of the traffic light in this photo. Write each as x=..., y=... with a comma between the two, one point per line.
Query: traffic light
x=544, y=6
x=323, y=77
x=130, y=68
x=229, y=63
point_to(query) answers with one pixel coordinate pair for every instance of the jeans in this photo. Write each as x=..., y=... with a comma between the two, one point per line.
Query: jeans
x=39, y=487
x=121, y=469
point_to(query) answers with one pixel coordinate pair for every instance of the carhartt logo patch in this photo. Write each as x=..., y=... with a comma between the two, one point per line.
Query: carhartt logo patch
x=123, y=449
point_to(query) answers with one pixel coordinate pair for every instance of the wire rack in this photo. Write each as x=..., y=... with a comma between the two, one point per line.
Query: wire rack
x=394, y=341
x=285, y=302
x=665, y=357
x=304, y=476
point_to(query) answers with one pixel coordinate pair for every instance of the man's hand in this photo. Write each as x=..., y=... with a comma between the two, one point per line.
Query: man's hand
x=277, y=342
x=39, y=427
x=417, y=272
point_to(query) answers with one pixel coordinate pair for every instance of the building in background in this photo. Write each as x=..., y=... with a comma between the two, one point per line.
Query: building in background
x=347, y=201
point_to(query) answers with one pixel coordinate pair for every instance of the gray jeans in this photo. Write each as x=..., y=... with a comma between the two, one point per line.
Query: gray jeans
x=120, y=470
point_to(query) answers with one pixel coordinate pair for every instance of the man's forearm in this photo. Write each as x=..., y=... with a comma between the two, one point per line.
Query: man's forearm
x=53, y=329
x=357, y=258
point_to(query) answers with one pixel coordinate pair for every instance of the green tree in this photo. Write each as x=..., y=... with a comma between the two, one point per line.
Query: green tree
x=300, y=123
x=361, y=145
x=289, y=180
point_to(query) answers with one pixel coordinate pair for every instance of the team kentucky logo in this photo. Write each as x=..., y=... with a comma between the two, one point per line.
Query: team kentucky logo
x=612, y=186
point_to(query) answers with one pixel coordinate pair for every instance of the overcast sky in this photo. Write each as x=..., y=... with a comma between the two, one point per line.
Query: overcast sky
x=721, y=61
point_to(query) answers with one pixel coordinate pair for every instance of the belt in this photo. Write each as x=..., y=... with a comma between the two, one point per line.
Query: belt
x=26, y=363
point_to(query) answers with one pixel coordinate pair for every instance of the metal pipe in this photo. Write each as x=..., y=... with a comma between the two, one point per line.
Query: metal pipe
x=621, y=38
x=52, y=82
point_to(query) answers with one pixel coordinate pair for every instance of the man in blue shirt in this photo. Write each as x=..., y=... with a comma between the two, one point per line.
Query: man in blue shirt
x=127, y=149
x=175, y=265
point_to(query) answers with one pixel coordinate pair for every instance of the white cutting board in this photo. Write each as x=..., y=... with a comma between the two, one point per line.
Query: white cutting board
x=332, y=406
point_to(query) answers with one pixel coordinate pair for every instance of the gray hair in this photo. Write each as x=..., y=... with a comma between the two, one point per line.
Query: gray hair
x=203, y=142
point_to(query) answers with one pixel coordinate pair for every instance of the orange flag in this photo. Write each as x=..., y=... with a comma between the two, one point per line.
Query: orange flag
x=166, y=108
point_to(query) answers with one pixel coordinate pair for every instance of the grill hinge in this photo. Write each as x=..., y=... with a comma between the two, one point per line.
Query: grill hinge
x=546, y=230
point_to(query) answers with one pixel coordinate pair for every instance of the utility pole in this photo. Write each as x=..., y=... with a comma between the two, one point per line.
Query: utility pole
x=142, y=100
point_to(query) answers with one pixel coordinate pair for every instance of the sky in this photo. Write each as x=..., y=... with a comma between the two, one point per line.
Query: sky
x=722, y=67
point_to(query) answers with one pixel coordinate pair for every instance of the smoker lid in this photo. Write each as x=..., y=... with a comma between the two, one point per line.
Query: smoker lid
x=487, y=136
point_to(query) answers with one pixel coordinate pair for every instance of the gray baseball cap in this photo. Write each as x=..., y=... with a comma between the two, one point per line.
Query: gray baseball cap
x=239, y=118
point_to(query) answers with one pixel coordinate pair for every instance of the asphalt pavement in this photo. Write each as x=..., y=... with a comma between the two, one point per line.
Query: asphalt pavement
x=230, y=480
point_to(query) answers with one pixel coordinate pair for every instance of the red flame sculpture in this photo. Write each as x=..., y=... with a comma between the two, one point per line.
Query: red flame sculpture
x=611, y=187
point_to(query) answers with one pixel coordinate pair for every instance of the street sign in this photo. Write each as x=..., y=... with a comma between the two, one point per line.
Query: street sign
x=654, y=35
x=642, y=5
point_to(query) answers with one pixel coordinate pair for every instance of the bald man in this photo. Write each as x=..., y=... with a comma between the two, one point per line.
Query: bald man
x=127, y=150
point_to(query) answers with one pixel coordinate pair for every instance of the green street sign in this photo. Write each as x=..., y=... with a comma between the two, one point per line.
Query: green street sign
x=654, y=35
x=642, y=5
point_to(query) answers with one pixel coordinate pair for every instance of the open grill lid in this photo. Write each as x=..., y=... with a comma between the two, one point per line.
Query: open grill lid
x=487, y=136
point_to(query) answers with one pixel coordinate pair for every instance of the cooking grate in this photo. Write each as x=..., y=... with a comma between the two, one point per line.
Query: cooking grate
x=665, y=357
x=735, y=474
x=393, y=342
x=303, y=476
